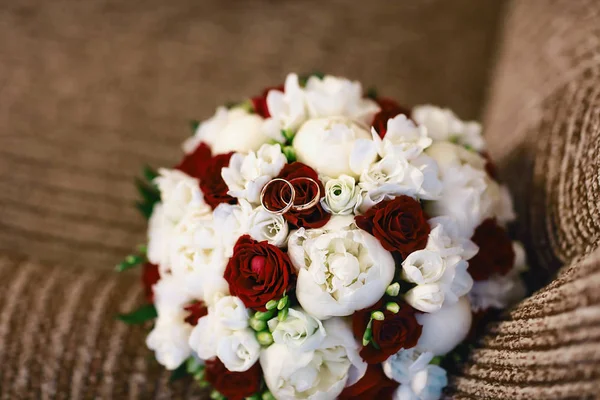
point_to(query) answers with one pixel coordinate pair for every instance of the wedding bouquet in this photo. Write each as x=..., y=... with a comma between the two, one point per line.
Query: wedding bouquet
x=317, y=242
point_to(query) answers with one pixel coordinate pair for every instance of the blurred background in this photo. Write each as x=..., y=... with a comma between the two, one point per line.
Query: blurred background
x=90, y=91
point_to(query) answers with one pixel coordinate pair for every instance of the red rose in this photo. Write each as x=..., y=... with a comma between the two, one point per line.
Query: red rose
x=373, y=385
x=400, y=225
x=396, y=331
x=197, y=310
x=490, y=167
x=195, y=163
x=496, y=254
x=212, y=184
x=232, y=385
x=150, y=276
x=260, y=102
x=258, y=272
x=277, y=196
x=389, y=109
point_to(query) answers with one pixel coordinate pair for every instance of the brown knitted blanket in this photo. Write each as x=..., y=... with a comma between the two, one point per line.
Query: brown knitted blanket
x=90, y=91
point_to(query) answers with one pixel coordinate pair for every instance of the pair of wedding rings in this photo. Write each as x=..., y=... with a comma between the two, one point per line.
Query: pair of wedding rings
x=290, y=204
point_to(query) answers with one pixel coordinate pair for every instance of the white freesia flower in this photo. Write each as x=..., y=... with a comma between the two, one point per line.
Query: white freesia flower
x=468, y=195
x=231, y=221
x=299, y=331
x=169, y=337
x=402, y=366
x=321, y=373
x=179, y=192
x=264, y=225
x=287, y=108
x=247, y=174
x=342, y=195
x=428, y=297
x=333, y=96
x=198, y=257
x=169, y=341
x=341, y=268
x=426, y=384
x=229, y=130
x=224, y=333
x=444, y=329
x=326, y=145
x=443, y=124
x=160, y=231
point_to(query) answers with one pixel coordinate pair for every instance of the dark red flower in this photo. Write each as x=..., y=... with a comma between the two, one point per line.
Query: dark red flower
x=258, y=272
x=212, y=184
x=496, y=254
x=195, y=163
x=400, y=225
x=260, y=102
x=396, y=331
x=373, y=385
x=276, y=197
x=150, y=276
x=490, y=167
x=233, y=385
x=197, y=310
x=389, y=109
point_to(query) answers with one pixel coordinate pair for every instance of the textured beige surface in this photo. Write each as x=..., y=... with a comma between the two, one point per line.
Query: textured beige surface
x=92, y=90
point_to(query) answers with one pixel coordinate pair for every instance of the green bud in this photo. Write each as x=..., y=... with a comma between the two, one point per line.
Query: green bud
x=264, y=338
x=282, y=303
x=377, y=315
x=282, y=316
x=392, y=307
x=288, y=134
x=271, y=304
x=367, y=336
x=216, y=395
x=194, y=366
x=257, y=324
x=267, y=396
x=393, y=290
x=265, y=316
x=203, y=384
x=289, y=153
x=254, y=397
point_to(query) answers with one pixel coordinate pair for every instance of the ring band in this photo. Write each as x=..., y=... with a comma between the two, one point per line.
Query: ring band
x=288, y=206
x=315, y=199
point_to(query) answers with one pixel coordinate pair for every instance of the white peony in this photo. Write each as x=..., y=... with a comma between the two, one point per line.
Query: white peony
x=332, y=96
x=197, y=256
x=160, y=231
x=266, y=226
x=342, y=195
x=229, y=130
x=444, y=329
x=287, y=108
x=469, y=195
x=341, y=268
x=299, y=331
x=444, y=125
x=169, y=341
x=224, y=333
x=179, y=193
x=321, y=373
x=247, y=174
x=326, y=145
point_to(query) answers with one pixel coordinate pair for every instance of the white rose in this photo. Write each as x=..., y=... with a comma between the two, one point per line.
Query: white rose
x=321, y=373
x=299, y=331
x=169, y=341
x=444, y=329
x=423, y=266
x=224, y=333
x=326, y=144
x=402, y=137
x=160, y=232
x=264, y=225
x=247, y=174
x=341, y=268
x=198, y=257
x=333, y=96
x=342, y=195
x=443, y=124
x=427, y=298
x=179, y=193
x=229, y=130
x=287, y=108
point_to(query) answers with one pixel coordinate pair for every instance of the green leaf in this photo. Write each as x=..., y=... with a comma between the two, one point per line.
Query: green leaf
x=132, y=260
x=303, y=79
x=372, y=93
x=149, y=192
x=179, y=372
x=145, y=208
x=149, y=173
x=145, y=313
x=194, y=366
x=289, y=153
x=194, y=124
